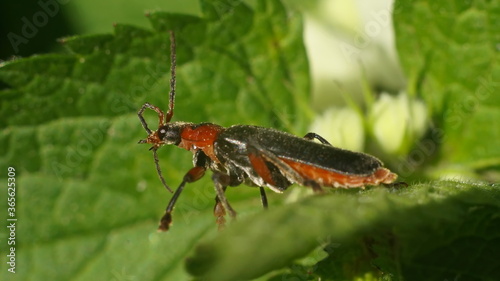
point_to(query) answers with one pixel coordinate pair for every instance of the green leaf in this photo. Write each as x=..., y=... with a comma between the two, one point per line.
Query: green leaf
x=432, y=231
x=450, y=50
x=88, y=197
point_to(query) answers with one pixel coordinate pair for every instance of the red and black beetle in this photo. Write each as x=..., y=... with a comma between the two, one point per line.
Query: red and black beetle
x=256, y=156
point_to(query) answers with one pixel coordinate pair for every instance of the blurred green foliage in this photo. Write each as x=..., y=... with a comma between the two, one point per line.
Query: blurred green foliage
x=33, y=27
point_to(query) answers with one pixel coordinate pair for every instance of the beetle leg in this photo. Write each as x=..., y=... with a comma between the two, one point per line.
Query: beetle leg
x=396, y=185
x=191, y=176
x=221, y=181
x=312, y=136
x=315, y=186
x=219, y=212
x=263, y=197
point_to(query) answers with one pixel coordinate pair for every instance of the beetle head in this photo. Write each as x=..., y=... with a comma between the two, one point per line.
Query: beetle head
x=153, y=139
x=169, y=133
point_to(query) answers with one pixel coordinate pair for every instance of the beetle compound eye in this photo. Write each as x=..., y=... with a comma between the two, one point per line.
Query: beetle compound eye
x=169, y=134
x=162, y=133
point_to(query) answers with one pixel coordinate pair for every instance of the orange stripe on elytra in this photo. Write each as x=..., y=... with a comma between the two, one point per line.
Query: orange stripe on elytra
x=259, y=165
x=329, y=178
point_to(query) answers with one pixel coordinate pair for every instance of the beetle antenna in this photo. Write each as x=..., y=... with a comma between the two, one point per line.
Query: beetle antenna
x=170, y=111
x=157, y=163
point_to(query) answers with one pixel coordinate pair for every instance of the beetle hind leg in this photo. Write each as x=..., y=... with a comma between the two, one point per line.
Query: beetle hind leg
x=263, y=197
x=396, y=185
x=316, y=187
x=312, y=136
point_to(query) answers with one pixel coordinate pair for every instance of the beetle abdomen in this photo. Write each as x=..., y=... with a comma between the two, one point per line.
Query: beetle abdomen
x=325, y=177
x=303, y=152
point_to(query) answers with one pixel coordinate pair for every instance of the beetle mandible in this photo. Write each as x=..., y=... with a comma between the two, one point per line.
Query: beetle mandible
x=255, y=156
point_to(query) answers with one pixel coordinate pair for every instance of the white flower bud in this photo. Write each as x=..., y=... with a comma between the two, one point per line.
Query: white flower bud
x=342, y=127
x=397, y=122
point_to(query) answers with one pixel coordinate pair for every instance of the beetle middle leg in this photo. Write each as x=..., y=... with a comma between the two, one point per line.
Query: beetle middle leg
x=312, y=136
x=221, y=181
x=220, y=212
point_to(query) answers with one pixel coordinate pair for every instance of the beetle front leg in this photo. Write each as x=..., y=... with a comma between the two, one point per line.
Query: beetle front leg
x=221, y=181
x=191, y=176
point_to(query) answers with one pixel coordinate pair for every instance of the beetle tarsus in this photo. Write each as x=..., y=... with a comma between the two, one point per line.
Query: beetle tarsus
x=219, y=213
x=165, y=222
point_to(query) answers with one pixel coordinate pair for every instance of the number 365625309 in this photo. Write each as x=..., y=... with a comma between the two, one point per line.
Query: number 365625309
x=11, y=190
